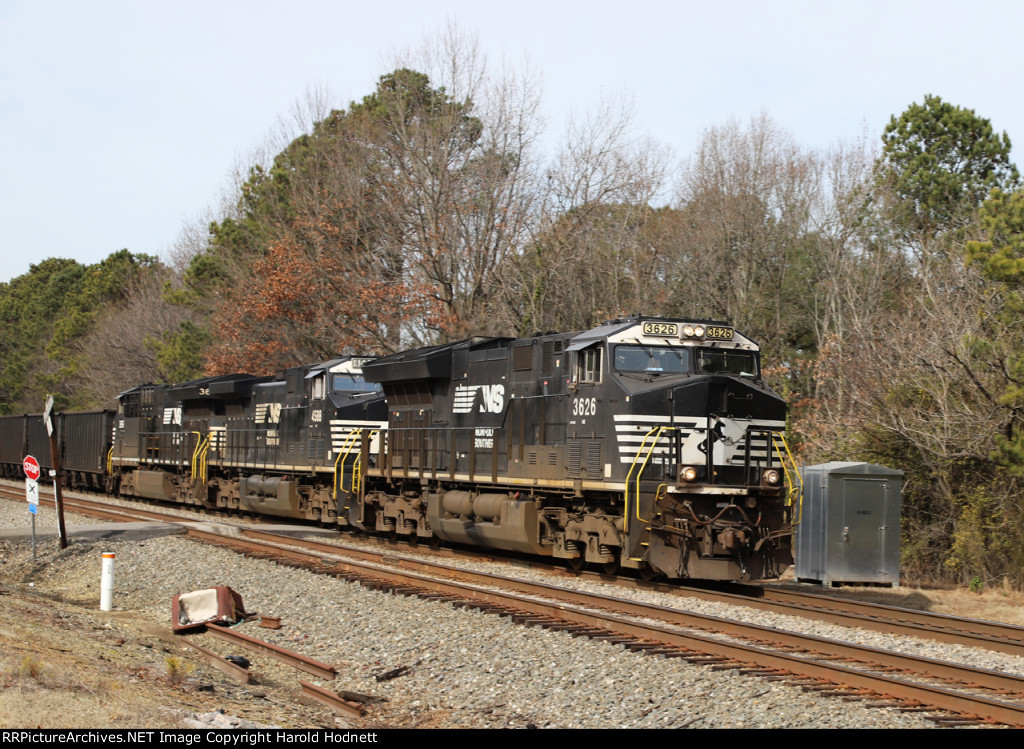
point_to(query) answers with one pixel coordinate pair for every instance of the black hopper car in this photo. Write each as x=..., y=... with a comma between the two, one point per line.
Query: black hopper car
x=83, y=438
x=644, y=443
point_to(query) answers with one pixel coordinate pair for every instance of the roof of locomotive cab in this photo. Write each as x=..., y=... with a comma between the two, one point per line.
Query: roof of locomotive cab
x=221, y=385
x=608, y=329
x=427, y=363
x=605, y=330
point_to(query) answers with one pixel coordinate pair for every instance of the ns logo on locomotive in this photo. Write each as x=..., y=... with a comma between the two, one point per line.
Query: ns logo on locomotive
x=643, y=443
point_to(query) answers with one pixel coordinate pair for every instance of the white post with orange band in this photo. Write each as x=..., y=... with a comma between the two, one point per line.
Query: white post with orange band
x=107, y=583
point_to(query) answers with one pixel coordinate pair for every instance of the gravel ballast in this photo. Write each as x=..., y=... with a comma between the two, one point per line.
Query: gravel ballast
x=469, y=669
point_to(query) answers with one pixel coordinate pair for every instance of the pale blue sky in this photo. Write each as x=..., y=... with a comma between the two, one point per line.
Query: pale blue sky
x=121, y=121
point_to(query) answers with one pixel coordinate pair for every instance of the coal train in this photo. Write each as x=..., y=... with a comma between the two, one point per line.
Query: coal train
x=644, y=443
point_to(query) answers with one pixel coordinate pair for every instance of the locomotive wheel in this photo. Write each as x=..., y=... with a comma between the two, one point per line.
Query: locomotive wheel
x=610, y=568
x=576, y=563
x=435, y=542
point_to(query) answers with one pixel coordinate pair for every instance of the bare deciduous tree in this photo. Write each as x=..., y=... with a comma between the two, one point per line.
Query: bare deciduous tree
x=592, y=255
x=745, y=200
x=118, y=351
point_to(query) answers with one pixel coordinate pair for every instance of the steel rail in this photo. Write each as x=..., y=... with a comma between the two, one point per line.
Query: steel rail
x=296, y=660
x=936, y=669
x=988, y=679
x=941, y=698
x=950, y=635
x=879, y=610
x=332, y=700
x=242, y=675
x=657, y=637
x=101, y=509
x=995, y=636
x=999, y=637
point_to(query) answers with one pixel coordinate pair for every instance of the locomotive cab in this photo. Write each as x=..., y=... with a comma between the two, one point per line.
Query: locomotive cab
x=700, y=433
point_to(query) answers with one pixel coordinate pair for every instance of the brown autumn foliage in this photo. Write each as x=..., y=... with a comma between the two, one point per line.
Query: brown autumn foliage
x=310, y=300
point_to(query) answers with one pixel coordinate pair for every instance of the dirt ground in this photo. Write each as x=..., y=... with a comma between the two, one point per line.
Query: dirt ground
x=66, y=664
x=992, y=604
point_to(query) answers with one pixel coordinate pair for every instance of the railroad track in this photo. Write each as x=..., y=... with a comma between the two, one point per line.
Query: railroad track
x=996, y=636
x=952, y=693
x=831, y=666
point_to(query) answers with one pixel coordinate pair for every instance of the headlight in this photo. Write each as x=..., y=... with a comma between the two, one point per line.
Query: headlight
x=771, y=476
x=688, y=331
x=689, y=473
x=699, y=331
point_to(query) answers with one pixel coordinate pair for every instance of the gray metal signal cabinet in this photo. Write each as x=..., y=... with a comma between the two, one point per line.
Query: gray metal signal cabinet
x=849, y=529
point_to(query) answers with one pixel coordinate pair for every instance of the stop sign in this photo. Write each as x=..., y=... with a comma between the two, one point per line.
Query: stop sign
x=31, y=467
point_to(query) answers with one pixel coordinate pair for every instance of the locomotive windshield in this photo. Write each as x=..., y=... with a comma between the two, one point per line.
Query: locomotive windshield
x=727, y=361
x=345, y=382
x=668, y=359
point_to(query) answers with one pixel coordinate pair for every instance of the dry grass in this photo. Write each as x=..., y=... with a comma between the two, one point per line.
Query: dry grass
x=55, y=673
x=53, y=706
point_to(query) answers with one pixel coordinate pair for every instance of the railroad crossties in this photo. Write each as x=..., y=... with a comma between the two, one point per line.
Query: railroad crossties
x=458, y=665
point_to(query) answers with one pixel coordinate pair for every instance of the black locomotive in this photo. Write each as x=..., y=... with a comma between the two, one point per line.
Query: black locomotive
x=645, y=443
x=281, y=447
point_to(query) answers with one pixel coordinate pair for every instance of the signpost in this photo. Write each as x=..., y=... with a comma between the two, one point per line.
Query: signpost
x=31, y=467
x=55, y=471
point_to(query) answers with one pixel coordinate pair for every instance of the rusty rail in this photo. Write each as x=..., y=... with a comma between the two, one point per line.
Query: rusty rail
x=301, y=662
x=650, y=638
x=332, y=700
x=237, y=673
x=660, y=639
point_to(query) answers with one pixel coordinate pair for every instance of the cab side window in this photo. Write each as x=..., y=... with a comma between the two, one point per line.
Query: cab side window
x=588, y=365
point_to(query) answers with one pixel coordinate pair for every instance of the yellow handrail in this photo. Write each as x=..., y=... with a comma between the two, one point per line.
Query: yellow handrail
x=657, y=433
x=357, y=466
x=195, y=456
x=795, y=486
x=346, y=449
x=110, y=461
x=203, y=456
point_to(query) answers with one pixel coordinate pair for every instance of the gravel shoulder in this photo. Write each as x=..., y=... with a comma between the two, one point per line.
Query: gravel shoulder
x=64, y=663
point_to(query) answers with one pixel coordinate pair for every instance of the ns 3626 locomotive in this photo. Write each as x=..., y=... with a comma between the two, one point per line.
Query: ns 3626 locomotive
x=644, y=443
